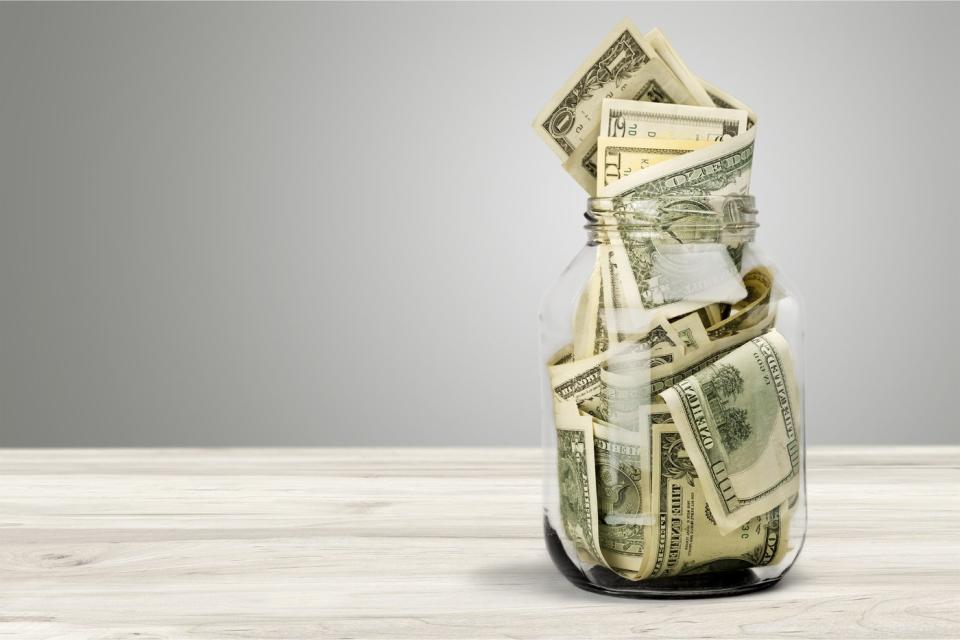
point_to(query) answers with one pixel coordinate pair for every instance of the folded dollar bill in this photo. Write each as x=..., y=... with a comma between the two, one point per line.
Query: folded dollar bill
x=738, y=419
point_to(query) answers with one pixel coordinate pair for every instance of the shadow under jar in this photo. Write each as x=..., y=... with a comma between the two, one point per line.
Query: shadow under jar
x=673, y=404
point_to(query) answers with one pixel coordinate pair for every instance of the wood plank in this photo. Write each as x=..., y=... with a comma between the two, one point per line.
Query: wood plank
x=428, y=543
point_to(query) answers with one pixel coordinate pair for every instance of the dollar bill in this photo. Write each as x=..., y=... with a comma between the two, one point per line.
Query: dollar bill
x=693, y=336
x=624, y=314
x=668, y=54
x=676, y=278
x=720, y=169
x=624, y=400
x=620, y=399
x=711, y=314
x=618, y=295
x=623, y=494
x=658, y=345
x=633, y=119
x=686, y=538
x=579, y=380
x=660, y=86
x=616, y=399
x=660, y=413
x=751, y=310
x=621, y=157
x=617, y=67
x=726, y=101
x=738, y=418
x=576, y=475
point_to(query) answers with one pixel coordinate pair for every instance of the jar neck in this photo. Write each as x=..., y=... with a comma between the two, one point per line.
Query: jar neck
x=688, y=219
x=701, y=234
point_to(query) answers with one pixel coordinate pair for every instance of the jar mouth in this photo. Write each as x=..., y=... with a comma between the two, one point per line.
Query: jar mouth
x=727, y=212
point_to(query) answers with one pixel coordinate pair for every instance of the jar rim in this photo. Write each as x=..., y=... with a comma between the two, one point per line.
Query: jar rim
x=746, y=202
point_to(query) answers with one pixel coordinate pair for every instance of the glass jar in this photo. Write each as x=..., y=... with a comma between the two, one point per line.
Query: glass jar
x=673, y=403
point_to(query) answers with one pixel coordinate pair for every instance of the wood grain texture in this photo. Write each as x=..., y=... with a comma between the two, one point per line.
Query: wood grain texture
x=429, y=543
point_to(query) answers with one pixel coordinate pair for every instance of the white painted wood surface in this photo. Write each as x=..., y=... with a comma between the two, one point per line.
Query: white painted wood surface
x=429, y=543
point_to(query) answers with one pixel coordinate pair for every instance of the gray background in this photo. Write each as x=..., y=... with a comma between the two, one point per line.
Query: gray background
x=332, y=224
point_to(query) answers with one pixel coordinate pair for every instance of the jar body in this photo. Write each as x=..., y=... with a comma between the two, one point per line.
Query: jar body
x=672, y=413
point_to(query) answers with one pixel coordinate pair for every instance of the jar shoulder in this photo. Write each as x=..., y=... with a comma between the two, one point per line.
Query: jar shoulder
x=564, y=291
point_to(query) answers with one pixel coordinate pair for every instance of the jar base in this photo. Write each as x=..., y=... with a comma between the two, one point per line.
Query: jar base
x=602, y=580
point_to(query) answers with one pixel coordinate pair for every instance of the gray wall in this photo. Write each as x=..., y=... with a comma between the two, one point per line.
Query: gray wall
x=331, y=224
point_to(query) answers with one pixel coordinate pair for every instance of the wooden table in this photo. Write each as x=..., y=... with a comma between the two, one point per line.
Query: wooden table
x=428, y=543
